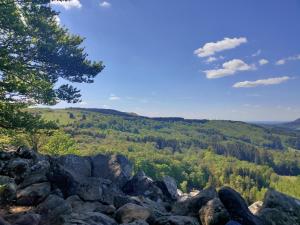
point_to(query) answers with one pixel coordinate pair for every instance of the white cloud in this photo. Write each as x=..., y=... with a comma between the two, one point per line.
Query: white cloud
x=263, y=62
x=105, y=4
x=211, y=48
x=67, y=4
x=211, y=59
x=257, y=53
x=284, y=61
x=264, y=82
x=113, y=97
x=229, y=68
x=280, y=62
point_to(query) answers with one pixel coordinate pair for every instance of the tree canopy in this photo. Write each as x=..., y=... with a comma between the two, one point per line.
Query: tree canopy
x=39, y=59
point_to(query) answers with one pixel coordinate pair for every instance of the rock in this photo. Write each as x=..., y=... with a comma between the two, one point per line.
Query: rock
x=72, y=175
x=137, y=222
x=38, y=174
x=8, y=189
x=28, y=219
x=79, y=206
x=232, y=222
x=79, y=166
x=176, y=220
x=34, y=194
x=237, y=207
x=53, y=210
x=4, y=155
x=90, y=218
x=213, y=213
x=120, y=200
x=191, y=205
x=3, y=222
x=169, y=187
x=140, y=184
x=116, y=168
x=131, y=212
x=280, y=209
x=26, y=153
x=255, y=207
x=18, y=168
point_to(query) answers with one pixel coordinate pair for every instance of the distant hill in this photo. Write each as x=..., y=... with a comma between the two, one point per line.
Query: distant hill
x=291, y=125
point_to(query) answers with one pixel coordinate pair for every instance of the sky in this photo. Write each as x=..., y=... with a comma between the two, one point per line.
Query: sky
x=233, y=59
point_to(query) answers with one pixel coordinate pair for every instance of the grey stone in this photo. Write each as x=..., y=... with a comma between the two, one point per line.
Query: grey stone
x=176, y=220
x=34, y=194
x=131, y=212
x=237, y=207
x=191, y=205
x=213, y=213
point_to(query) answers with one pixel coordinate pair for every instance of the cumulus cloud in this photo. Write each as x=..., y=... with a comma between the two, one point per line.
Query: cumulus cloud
x=263, y=62
x=113, y=97
x=67, y=4
x=264, y=82
x=105, y=4
x=229, y=68
x=211, y=48
x=285, y=60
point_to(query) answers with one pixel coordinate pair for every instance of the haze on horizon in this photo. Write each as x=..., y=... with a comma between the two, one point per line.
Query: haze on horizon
x=198, y=59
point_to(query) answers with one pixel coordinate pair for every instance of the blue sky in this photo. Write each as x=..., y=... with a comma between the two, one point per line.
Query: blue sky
x=212, y=59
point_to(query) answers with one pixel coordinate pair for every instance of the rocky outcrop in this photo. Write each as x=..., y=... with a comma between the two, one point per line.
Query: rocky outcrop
x=213, y=213
x=237, y=207
x=100, y=190
x=132, y=212
x=190, y=206
x=143, y=185
x=280, y=209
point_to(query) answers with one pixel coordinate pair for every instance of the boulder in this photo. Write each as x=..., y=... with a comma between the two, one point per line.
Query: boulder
x=237, y=207
x=28, y=219
x=4, y=155
x=18, y=168
x=37, y=174
x=89, y=218
x=137, y=222
x=116, y=168
x=190, y=206
x=169, y=187
x=131, y=212
x=142, y=185
x=53, y=210
x=176, y=220
x=79, y=206
x=8, y=189
x=213, y=213
x=77, y=165
x=255, y=207
x=3, y=222
x=34, y=194
x=26, y=153
x=280, y=209
x=120, y=200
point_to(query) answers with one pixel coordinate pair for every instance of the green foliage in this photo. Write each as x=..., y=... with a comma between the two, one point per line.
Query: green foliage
x=59, y=143
x=35, y=52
